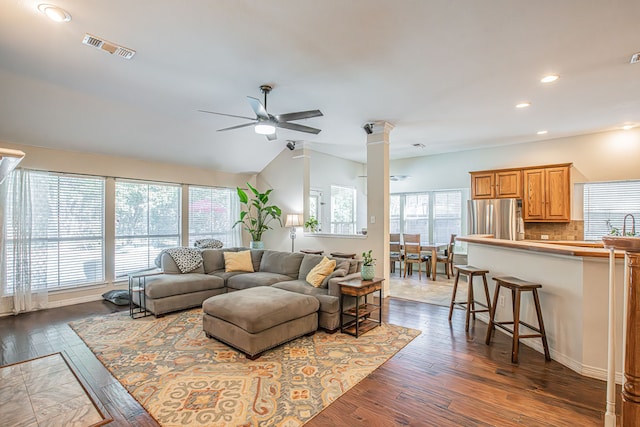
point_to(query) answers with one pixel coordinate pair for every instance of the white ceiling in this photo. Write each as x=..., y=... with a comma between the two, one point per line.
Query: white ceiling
x=446, y=73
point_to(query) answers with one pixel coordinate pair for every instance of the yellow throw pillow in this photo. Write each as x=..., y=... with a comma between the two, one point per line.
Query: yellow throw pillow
x=238, y=261
x=320, y=271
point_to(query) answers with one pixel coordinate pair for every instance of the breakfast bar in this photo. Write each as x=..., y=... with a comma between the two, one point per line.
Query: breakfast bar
x=574, y=295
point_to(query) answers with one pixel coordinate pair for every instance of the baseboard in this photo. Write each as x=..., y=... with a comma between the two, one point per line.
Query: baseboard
x=600, y=374
x=74, y=301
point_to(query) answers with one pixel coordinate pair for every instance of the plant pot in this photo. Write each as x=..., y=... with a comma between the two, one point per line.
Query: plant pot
x=256, y=245
x=368, y=272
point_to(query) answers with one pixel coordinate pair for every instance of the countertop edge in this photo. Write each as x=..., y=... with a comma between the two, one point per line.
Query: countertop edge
x=552, y=248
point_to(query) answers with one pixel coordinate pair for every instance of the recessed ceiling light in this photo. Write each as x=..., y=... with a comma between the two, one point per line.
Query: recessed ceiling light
x=54, y=13
x=542, y=132
x=549, y=78
x=628, y=127
x=523, y=105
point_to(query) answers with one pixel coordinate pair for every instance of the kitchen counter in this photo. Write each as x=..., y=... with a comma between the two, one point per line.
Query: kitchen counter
x=560, y=247
x=574, y=294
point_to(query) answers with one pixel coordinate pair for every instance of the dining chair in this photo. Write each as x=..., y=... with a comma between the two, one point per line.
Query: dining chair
x=446, y=258
x=412, y=254
x=395, y=251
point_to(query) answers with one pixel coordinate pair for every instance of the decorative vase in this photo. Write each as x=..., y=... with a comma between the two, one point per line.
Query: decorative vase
x=256, y=244
x=368, y=272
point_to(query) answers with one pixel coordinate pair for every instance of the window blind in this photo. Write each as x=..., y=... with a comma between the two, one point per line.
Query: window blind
x=147, y=221
x=606, y=204
x=212, y=213
x=447, y=215
x=67, y=231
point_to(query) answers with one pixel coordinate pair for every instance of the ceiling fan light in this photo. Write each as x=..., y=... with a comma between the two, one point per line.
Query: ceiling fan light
x=265, y=129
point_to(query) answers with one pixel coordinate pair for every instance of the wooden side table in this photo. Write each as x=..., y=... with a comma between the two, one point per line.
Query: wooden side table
x=359, y=316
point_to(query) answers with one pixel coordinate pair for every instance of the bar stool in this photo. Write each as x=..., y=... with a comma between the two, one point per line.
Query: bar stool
x=470, y=304
x=518, y=286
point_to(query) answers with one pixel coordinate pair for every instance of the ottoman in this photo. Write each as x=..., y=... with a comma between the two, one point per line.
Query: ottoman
x=256, y=319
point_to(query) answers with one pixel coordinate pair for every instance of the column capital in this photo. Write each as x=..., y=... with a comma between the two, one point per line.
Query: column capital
x=380, y=131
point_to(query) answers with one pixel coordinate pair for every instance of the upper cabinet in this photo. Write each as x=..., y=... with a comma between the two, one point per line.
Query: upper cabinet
x=545, y=190
x=499, y=184
x=547, y=194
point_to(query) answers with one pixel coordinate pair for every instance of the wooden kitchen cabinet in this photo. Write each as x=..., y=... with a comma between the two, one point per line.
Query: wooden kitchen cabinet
x=498, y=184
x=547, y=194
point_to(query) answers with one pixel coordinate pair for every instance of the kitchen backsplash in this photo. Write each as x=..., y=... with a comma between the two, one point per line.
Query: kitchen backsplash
x=573, y=230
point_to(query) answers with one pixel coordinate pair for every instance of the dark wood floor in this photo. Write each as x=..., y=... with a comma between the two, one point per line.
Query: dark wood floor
x=445, y=377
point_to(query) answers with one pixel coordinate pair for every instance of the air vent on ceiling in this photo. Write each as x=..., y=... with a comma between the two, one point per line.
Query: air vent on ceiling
x=108, y=46
x=635, y=58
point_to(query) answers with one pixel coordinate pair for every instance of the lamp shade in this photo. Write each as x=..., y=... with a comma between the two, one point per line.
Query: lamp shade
x=294, y=220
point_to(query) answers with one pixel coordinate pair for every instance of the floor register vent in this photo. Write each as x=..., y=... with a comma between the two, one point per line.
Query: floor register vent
x=108, y=46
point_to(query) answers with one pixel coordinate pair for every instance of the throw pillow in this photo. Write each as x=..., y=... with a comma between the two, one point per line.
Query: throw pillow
x=117, y=296
x=320, y=271
x=238, y=261
x=208, y=244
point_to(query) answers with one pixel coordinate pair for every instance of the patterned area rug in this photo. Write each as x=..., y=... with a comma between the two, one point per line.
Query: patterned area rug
x=183, y=378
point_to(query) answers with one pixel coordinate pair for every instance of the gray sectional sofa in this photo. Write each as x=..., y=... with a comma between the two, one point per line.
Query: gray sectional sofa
x=173, y=290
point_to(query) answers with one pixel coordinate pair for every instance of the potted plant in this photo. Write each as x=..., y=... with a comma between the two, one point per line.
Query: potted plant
x=368, y=266
x=256, y=214
x=311, y=224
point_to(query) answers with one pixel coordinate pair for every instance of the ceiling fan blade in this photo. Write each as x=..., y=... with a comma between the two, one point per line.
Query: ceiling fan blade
x=271, y=136
x=298, y=115
x=297, y=127
x=258, y=108
x=228, y=115
x=237, y=126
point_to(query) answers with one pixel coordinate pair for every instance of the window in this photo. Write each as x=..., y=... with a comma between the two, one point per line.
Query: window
x=606, y=204
x=212, y=213
x=394, y=213
x=315, y=206
x=147, y=221
x=343, y=210
x=435, y=215
x=416, y=214
x=447, y=215
x=66, y=234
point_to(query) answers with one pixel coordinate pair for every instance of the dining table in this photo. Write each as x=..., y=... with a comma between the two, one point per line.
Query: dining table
x=433, y=248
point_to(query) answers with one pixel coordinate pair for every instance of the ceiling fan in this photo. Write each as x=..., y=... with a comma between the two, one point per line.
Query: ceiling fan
x=265, y=123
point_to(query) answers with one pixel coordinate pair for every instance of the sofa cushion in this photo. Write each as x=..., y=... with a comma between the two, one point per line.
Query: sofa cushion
x=328, y=303
x=309, y=261
x=165, y=285
x=252, y=280
x=281, y=263
x=258, y=309
x=320, y=272
x=238, y=261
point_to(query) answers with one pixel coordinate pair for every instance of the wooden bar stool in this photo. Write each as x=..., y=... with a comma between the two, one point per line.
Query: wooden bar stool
x=518, y=286
x=470, y=304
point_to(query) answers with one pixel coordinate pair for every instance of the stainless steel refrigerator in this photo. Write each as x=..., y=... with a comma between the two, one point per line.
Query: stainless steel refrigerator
x=500, y=217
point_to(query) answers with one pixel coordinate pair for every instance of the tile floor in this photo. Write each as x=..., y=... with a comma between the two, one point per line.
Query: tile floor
x=436, y=292
x=44, y=392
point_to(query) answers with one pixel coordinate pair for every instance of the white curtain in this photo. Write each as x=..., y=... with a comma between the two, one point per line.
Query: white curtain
x=236, y=232
x=22, y=286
